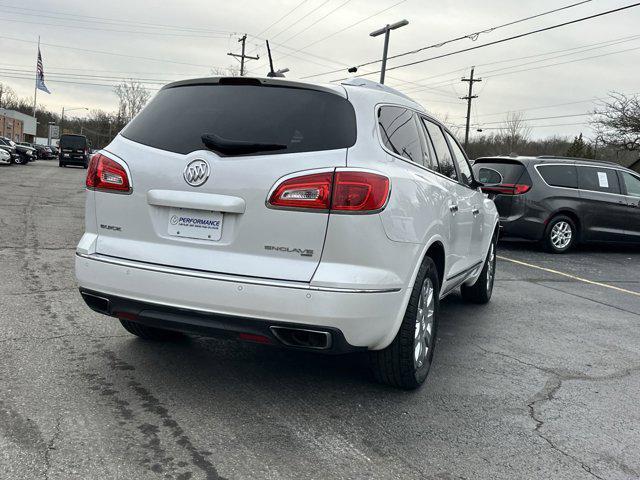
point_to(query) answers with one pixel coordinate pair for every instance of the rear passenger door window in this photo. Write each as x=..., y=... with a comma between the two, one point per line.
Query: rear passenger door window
x=598, y=180
x=632, y=183
x=445, y=161
x=466, y=177
x=399, y=133
x=559, y=175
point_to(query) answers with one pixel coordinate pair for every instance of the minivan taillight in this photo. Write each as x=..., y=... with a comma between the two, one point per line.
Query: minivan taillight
x=337, y=191
x=508, y=189
x=107, y=174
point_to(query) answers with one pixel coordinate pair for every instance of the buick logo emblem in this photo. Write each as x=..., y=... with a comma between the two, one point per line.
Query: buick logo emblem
x=196, y=173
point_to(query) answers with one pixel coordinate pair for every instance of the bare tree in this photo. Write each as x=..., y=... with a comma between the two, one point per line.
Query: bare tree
x=617, y=121
x=515, y=132
x=230, y=71
x=132, y=97
x=8, y=98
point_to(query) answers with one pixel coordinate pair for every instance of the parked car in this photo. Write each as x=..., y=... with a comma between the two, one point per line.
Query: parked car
x=6, y=147
x=5, y=157
x=323, y=218
x=73, y=150
x=23, y=153
x=42, y=151
x=561, y=201
x=54, y=150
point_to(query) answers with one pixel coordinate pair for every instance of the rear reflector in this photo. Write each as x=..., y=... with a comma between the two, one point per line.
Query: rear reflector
x=340, y=191
x=106, y=174
x=508, y=189
x=250, y=337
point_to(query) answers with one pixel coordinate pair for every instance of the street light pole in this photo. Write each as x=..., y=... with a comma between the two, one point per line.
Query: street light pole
x=62, y=116
x=387, y=30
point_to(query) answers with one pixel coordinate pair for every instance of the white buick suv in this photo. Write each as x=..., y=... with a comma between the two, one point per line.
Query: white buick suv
x=328, y=218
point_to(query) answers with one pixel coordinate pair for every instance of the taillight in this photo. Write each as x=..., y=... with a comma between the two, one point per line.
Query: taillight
x=355, y=191
x=508, y=189
x=307, y=191
x=340, y=191
x=107, y=174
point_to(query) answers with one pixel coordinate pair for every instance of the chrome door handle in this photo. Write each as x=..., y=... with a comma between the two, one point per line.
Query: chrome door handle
x=475, y=211
x=453, y=208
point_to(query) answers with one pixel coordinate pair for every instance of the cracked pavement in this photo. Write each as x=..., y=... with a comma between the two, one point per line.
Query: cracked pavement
x=541, y=383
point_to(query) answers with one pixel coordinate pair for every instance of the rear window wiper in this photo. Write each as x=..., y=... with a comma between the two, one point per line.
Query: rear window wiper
x=227, y=146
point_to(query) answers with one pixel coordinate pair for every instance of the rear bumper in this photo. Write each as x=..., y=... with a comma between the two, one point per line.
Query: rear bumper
x=527, y=228
x=209, y=304
x=73, y=160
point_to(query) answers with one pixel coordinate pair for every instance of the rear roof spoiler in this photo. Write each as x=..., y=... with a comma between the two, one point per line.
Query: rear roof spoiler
x=257, y=81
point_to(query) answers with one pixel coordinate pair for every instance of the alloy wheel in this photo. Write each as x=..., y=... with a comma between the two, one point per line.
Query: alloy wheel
x=561, y=235
x=423, y=337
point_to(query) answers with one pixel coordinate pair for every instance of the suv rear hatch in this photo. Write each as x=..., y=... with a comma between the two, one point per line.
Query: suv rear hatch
x=263, y=130
x=506, y=180
x=73, y=146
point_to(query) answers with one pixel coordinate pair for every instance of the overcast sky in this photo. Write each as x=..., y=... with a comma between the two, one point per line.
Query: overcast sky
x=96, y=42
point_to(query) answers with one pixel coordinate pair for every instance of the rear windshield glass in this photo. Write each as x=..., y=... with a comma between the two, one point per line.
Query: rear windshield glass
x=560, y=175
x=73, y=141
x=302, y=120
x=498, y=172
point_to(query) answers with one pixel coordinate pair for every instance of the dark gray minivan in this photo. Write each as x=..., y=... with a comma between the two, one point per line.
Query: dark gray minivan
x=561, y=201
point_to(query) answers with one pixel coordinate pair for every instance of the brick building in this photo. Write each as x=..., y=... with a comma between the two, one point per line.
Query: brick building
x=17, y=126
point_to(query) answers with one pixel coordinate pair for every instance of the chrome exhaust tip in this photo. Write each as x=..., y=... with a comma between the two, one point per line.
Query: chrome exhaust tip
x=302, y=337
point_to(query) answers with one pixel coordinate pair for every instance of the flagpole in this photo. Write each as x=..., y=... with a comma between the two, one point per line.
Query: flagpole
x=35, y=90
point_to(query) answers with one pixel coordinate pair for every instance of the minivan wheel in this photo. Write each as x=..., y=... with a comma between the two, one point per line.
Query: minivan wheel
x=481, y=291
x=560, y=234
x=406, y=362
x=150, y=333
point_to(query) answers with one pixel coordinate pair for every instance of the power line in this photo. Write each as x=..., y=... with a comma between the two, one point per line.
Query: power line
x=108, y=20
x=92, y=28
x=101, y=52
x=294, y=23
x=584, y=49
x=283, y=17
x=471, y=36
x=507, y=39
x=326, y=37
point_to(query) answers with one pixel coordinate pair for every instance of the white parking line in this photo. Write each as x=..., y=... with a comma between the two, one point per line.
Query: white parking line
x=573, y=277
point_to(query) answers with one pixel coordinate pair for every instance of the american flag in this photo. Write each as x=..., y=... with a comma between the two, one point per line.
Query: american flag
x=40, y=75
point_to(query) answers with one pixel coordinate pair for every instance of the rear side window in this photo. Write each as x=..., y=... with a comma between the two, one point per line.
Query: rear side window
x=632, y=183
x=399, y=132
x=508, y=172
x=560, y=175
x=447, y=168
x=598, y=179
x=461, y=161
x=302, y=120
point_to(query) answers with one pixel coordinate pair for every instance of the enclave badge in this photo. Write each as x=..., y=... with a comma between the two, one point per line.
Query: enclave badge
x=196, y=172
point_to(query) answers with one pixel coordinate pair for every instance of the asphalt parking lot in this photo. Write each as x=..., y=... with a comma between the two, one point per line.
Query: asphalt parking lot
x=543, y=382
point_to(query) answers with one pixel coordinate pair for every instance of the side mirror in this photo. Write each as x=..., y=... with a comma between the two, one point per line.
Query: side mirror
x=488, y=177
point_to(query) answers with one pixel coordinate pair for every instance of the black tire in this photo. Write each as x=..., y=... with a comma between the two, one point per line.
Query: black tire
x=396, y=365
x=150, y=333
x=561, y=225
x=481, y=291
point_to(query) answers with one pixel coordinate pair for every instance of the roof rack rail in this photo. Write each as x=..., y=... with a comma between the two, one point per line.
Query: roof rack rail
x=364, y=82
x=575, y=159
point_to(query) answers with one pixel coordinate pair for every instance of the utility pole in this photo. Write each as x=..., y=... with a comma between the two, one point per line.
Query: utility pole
x=469, y=98
x=242, y=56
x=386, y=30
